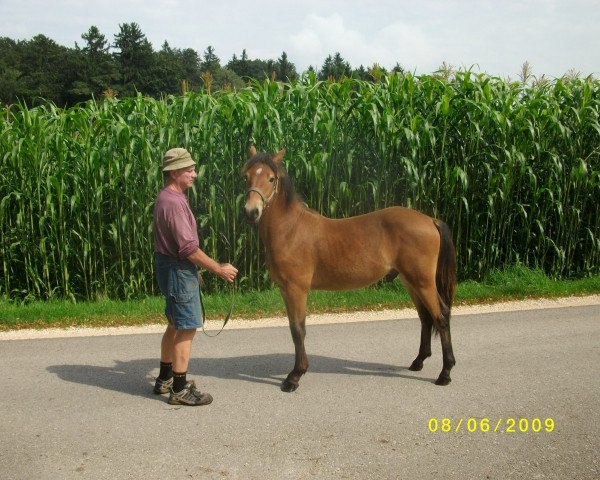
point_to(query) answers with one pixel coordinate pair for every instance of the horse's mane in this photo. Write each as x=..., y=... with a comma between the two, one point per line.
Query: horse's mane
x=285, y=182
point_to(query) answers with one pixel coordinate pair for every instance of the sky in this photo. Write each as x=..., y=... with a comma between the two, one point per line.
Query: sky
x=491, y=36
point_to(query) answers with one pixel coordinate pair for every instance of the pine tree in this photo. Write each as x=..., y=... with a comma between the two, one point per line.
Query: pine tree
x=136, y=60
x=97, y=70
x=286, y=71
x=210, y=61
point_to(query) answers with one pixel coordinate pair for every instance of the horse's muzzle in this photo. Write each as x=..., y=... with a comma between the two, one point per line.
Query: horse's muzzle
x=254, y=205
x=253, y=213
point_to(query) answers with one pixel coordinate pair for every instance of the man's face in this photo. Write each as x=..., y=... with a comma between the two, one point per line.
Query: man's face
x=185, y=177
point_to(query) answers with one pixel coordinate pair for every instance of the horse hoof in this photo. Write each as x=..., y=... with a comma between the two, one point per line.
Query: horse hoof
x=443, y=381
x=416, y=366
x=288, y=386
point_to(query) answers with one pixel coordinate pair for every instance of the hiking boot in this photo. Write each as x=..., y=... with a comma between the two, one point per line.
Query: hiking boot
x=163, y=386
x=190, y=395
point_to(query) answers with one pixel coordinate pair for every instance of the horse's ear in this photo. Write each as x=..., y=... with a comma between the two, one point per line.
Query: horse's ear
x=252, y=151
x=277, y=158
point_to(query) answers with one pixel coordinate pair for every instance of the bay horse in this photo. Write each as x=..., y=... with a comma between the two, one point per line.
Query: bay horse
x=305, y=250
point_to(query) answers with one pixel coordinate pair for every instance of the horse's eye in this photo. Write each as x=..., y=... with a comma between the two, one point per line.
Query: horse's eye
x=272, y=179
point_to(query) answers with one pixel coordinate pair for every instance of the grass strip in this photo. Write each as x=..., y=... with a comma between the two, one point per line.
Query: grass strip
x=515, y=283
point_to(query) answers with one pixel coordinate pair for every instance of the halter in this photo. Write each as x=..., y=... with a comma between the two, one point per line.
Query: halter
x=266, y=201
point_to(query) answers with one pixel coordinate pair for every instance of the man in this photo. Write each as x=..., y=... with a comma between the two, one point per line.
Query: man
x=177, y=258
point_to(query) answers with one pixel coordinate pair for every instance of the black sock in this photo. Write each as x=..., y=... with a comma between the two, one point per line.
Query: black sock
x=179, y=381
x=166, y=371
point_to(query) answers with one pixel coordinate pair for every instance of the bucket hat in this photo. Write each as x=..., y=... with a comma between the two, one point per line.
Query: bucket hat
x=177, y=158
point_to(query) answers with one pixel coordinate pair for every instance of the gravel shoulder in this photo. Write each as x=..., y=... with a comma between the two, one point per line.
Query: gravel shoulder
x=317, y=319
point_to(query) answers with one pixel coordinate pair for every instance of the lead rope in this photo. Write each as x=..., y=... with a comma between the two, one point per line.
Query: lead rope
x=227, y=317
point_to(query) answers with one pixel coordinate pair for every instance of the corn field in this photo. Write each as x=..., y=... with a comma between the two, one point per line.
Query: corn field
x=513, y=168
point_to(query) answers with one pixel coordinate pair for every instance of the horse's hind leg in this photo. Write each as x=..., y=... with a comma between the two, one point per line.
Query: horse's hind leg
x=426, y=327
x=440, y=316
x=295, y=304
x=442, y=325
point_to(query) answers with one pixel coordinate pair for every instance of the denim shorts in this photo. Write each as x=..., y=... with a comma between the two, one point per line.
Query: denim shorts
x=178, y=282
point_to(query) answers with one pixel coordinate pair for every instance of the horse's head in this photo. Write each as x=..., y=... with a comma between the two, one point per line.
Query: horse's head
x=262, y=182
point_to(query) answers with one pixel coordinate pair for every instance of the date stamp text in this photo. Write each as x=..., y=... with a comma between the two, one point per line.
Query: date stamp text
x=485, y=425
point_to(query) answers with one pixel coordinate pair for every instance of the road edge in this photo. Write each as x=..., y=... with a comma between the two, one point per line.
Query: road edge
x=317, y=319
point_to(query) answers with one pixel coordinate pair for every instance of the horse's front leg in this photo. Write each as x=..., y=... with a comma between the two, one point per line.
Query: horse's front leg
x=295, y=303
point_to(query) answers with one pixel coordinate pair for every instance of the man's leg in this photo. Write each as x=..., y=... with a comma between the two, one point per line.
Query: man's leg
x=164, y=382
x=184, y=392
x=166, y=346
x=182, y=347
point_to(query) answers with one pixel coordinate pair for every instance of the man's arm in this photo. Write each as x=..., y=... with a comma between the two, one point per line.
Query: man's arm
x=223, y=270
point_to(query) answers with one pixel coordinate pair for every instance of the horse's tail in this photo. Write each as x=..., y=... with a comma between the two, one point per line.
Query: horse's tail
x=445, y=277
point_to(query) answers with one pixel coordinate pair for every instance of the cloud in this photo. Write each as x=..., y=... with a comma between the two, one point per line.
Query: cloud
x=406, y=44
x=320, y=37
x=497, y=37
x=397, y=42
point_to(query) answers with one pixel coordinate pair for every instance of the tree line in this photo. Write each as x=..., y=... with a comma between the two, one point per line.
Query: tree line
x=38, y=70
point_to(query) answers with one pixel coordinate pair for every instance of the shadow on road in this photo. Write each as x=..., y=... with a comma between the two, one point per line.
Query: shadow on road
x=134, y=377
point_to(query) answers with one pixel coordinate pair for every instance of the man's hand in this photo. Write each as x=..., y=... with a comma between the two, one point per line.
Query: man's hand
x=227, y=271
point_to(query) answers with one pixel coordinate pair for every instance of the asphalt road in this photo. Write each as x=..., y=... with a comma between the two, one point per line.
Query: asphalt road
x=82, y=408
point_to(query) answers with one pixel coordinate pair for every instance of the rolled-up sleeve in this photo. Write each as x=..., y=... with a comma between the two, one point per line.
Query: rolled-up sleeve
x=185, y=233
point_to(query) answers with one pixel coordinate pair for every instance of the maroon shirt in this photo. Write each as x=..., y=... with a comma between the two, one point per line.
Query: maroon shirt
x=175, y=230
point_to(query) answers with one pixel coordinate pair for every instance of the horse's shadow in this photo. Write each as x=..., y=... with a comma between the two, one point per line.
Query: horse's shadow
x=134, y=377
